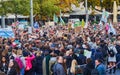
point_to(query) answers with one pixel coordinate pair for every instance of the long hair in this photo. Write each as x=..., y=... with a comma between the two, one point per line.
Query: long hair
x=73, y=65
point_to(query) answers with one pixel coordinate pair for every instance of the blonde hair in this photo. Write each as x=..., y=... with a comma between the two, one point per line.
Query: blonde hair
x=38, y=53
x=19, y=52
x=73, y=65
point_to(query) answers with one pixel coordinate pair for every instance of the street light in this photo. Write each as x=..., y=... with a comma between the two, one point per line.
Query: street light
x=86, y=9
x=2, y=16
x=31, y=13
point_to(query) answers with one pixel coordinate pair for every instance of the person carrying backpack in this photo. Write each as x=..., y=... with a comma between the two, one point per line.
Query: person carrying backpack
x=112, y=57
x=99, y=69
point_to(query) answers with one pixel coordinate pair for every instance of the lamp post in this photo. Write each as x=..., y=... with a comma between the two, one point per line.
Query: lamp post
x=31, y=13
x=2, y=16
x=86, y=9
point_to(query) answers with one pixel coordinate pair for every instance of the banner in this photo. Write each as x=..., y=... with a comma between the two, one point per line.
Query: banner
x=55, y=18
x=7, y=33
x=61, y=20
x=78, y=29
x=36, y=25
x=105, y=16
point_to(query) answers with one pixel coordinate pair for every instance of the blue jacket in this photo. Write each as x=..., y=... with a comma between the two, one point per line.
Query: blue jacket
x=101, y=69
x=58, y=69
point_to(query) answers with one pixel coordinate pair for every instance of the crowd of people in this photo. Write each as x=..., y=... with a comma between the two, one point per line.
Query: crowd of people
x=59, y=50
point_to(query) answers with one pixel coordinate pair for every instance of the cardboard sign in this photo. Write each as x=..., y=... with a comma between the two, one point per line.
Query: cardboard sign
x=78, y=29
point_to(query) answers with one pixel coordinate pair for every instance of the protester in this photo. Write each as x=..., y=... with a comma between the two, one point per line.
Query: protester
x=58, y=67
x=112, y=57
x=4, y=65
x=38, y=63
x=73, y=67
x=13, y=68
x=100, y=67
x=89, y=67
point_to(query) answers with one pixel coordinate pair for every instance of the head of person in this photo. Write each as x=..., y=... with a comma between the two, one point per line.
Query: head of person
x=97, y=62
x=38, y=53
x=3, y=59
x=14, y=64
x=60, y=59
x=89, y=60
x=11, y=63
x=73, y=66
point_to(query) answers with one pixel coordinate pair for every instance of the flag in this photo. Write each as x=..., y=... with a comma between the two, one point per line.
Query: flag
x=83, y=23
x=55, y=18
x=105, y=16
x=36, y=25
x=61, y=20
x=77, y=24
x=111, y=29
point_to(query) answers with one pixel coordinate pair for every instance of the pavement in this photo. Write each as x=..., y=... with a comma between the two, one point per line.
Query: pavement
x=116, y=73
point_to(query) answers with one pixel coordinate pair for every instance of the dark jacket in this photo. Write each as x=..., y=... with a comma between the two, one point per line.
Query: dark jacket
x=58, y=69
x=81, y=59
x=89, y=67
x=118, y=49
x=12, y=71
x=98, y=55
x=68, y=61
x=38, y=64
x=4, y=68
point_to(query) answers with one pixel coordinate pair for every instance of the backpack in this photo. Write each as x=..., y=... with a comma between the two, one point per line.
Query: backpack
x=111, y=52
x=52, y=68
x=20, y=63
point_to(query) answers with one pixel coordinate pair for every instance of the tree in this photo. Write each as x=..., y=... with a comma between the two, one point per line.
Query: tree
x=15, y=7
x=65, y=5
x=107, y=4
x=45, y=9
x=19, y=7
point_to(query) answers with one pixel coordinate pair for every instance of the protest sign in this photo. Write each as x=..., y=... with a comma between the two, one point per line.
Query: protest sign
x=6, y=33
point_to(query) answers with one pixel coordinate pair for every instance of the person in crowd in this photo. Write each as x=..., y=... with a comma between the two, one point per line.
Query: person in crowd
x=89, y=67
x=100, y=67
x=28, y=69
x=52, y=62
x=118, y=50
x=21, y=61
x=58, y=68
x=98, y=54
x=65, y=66
x=73, y=67
x=81, y=58
x=68, y=60
x=4, y=65
x=13, y=68
x=38, y=63
x=112, y=57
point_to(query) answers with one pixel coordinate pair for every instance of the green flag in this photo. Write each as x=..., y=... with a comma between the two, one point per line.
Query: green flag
x=55, y=18
x=61, y=20
x=77, y=24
